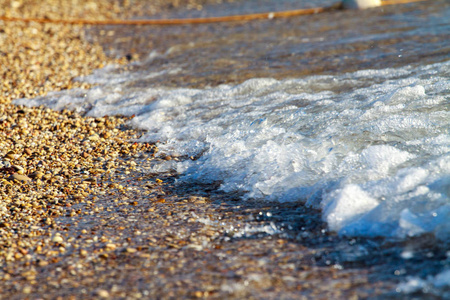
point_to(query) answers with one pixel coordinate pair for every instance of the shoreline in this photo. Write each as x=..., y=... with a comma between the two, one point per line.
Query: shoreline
x=91, y=222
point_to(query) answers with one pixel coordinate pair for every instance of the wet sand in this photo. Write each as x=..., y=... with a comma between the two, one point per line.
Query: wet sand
x=87, y=220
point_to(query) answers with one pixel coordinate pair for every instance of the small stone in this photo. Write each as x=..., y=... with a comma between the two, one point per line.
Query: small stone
x=198, y=294
x=19, y=169
x=19, y=177
x=103, y=293
x=110, y=246
x=93, y=138
x=37, y=175
x=5, y=164
x=27, y=289
x=4, y=225
x=10, y=155
x=57, y=239
x=43, y=263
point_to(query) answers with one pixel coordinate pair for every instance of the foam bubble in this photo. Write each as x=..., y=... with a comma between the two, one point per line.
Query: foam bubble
x=416, y=284
x=346, y=206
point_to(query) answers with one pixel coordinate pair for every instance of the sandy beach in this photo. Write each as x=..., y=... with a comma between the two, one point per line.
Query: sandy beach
x=82, y=218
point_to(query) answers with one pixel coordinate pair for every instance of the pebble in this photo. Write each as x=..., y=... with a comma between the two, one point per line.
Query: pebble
x=19, y=177
x=27, y=289
x=57, y=239
x=3, y=163
x=103, y=293
x=93, y=137
x=10, y=155
x=131, y=250
x=19, y=169
x=37, y=175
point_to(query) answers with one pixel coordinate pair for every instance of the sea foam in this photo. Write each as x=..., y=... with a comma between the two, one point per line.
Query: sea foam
x=369, y=148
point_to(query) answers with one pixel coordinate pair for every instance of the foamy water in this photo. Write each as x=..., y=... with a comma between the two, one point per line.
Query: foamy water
x=370, y=148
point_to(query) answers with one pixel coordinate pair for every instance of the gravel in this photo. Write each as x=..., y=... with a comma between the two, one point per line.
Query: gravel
x=81, y=216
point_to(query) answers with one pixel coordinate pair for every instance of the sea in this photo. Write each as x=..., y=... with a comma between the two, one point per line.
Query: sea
x=347, y=112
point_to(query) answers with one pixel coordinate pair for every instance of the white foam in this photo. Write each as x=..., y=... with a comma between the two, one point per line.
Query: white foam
x=415, y=284
x=370, y=148
x=347, y=205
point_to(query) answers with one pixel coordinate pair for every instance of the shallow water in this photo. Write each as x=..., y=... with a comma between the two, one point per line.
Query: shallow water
x=366, y=140
x=327, y=43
